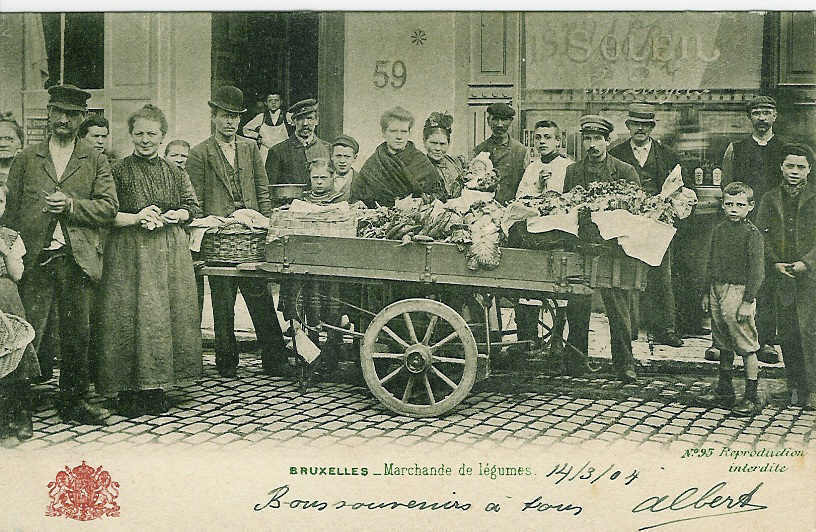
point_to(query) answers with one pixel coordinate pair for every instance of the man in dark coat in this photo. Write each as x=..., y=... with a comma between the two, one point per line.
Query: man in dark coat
x=228, y=174
x=598, y=165
x=653, y=163
x=756, y=161
x=60, y=193
x=287, y=161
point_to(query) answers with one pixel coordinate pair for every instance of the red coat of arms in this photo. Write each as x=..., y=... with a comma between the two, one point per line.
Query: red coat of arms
x=83, y=493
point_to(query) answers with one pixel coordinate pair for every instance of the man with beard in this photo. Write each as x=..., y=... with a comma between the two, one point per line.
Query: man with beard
x=653, y=163
x=598, y=165
x=757, y=162
x=287, y=160
x=508, y=155
x=60, y=194
x=270, y=127
x=227, y=174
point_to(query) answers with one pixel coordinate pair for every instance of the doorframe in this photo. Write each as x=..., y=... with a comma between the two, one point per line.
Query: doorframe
x=330, y=73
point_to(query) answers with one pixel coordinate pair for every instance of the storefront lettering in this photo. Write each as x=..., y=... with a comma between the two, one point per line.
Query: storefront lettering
x=658, y=95
x=398, y=74
x=580, y=45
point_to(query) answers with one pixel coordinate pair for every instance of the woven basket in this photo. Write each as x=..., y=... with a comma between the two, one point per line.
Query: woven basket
x=336, y=224
x=233, y=243
x=15, y=335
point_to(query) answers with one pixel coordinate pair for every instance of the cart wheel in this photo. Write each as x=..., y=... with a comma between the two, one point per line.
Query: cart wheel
x=419, y=357
x=547, y=320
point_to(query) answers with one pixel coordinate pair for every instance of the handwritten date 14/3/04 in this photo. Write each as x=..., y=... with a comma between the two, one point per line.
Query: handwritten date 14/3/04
x=590, y=473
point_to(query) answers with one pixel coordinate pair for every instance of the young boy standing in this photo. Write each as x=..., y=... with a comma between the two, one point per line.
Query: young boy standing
x=734, y=273
x=787, y=218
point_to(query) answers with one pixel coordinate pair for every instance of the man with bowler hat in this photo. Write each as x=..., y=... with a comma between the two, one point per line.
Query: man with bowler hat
x=228, y=174
x=757, y=161
x=60, y=194
x=598, y=165
x=653, y=163
x=287, y=161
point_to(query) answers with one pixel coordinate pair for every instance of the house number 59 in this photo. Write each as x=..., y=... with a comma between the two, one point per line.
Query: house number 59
x=398, y=74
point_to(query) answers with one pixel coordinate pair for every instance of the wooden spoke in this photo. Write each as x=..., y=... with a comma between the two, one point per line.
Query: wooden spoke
x=408, y=386
x=410, y=325
x=391, y=375
x=449, y=359
x=431, y=397
x=444, y=377
x=444, y=340
x=395, y=356
x=396, y=338
x=429, y=331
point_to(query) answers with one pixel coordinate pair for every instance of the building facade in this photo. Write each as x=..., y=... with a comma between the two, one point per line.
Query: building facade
x=700, y=68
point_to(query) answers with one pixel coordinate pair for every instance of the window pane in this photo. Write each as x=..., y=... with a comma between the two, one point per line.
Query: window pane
x=84, y=49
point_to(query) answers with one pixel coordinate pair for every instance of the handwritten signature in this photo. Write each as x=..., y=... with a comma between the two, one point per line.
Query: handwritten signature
x=690, y=500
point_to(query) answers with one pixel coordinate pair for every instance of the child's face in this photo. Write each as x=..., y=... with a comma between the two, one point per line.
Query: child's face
x=478, y=166
x=737, y=207
x=795, y=168
x=322, y=180
x=342, y=157
x=177, y=154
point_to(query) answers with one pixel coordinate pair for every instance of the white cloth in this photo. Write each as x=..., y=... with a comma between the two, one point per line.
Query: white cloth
x=641, y=153
x=60, y=155
x=530, y=184
x=269, y=135
x=765, y=141
x=640, y=237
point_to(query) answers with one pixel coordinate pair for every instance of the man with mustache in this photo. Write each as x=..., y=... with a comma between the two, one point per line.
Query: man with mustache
x=598, y=165
x=653, y=162
x=509, y=156
x=60, y=194
x=227, y=174
x=287, y=161
x=757, y=161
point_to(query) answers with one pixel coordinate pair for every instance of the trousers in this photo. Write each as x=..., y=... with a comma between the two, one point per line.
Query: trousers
x=616, y=302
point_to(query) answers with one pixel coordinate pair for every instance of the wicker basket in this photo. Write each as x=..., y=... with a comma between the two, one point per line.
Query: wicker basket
x=15, y=335
x=337, y=224
x=233, y=243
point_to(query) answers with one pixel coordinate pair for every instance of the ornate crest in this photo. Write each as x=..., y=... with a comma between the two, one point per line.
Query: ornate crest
x=83, y=493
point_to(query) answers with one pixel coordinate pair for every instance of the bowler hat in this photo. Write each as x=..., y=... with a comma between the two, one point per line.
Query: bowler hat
x=229, y=98
x=68, y=97
x=303, y=107
x=346, y=140
x=642, y=113
x=597, y=124
x=761, y=102
x=501, y=110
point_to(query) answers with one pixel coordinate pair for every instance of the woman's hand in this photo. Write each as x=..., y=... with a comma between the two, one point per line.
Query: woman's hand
x=150, y=217
x=175, y=216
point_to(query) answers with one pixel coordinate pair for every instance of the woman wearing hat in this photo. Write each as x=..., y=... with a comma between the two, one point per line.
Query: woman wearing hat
x=149, y=325
x=436, y=135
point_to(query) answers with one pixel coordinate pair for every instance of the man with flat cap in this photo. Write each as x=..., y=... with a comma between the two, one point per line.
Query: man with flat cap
x=60, y=194
x=227, y=174
x=757, y=162
x=598, y=165
x=343, y=154
x=653, y=162
x=287, y=161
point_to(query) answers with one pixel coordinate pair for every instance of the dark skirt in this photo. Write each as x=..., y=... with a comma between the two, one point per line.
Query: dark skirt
x=10, y=303
x=150, y=336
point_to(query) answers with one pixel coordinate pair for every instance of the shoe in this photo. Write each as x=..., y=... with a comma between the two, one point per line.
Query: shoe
x=130, y=405
x=21, y=424
x=85, y=413
x=810, y=404
x=155, y=402
x=746, y=408
x=669, y=338
x=228, y=373
x=712, y=354
x=717, y=399
x=628, y=377
x=768, y=355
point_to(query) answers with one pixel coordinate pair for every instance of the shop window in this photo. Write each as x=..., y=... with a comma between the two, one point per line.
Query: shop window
x=74, y=46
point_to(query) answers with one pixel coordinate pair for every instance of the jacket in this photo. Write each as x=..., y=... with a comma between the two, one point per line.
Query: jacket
x=86, y=179
x=286, y=161
x=660, y=162
x=614, y=169
x=206, y=170
x=509, y=161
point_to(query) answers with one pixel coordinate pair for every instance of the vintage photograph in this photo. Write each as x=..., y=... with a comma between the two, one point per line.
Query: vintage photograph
x=439, y=231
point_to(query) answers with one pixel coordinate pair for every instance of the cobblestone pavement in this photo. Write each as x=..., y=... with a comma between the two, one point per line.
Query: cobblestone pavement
x=509, y=410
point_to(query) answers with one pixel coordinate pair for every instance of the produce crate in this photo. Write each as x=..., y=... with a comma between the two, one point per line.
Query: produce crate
x=334, y=224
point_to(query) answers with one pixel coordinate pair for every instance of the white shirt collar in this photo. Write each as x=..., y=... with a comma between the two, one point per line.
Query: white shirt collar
x=765, y=141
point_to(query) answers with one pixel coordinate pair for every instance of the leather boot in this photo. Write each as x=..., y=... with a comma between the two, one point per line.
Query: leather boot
x=86, y=413
x=723, y=395
x=21, y=417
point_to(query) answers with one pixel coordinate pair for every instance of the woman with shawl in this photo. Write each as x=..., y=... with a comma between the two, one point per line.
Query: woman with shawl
x=436, y=135
x=396, y=169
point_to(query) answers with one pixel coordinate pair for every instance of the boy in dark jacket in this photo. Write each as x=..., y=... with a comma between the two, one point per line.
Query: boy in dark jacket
x=734, y=273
